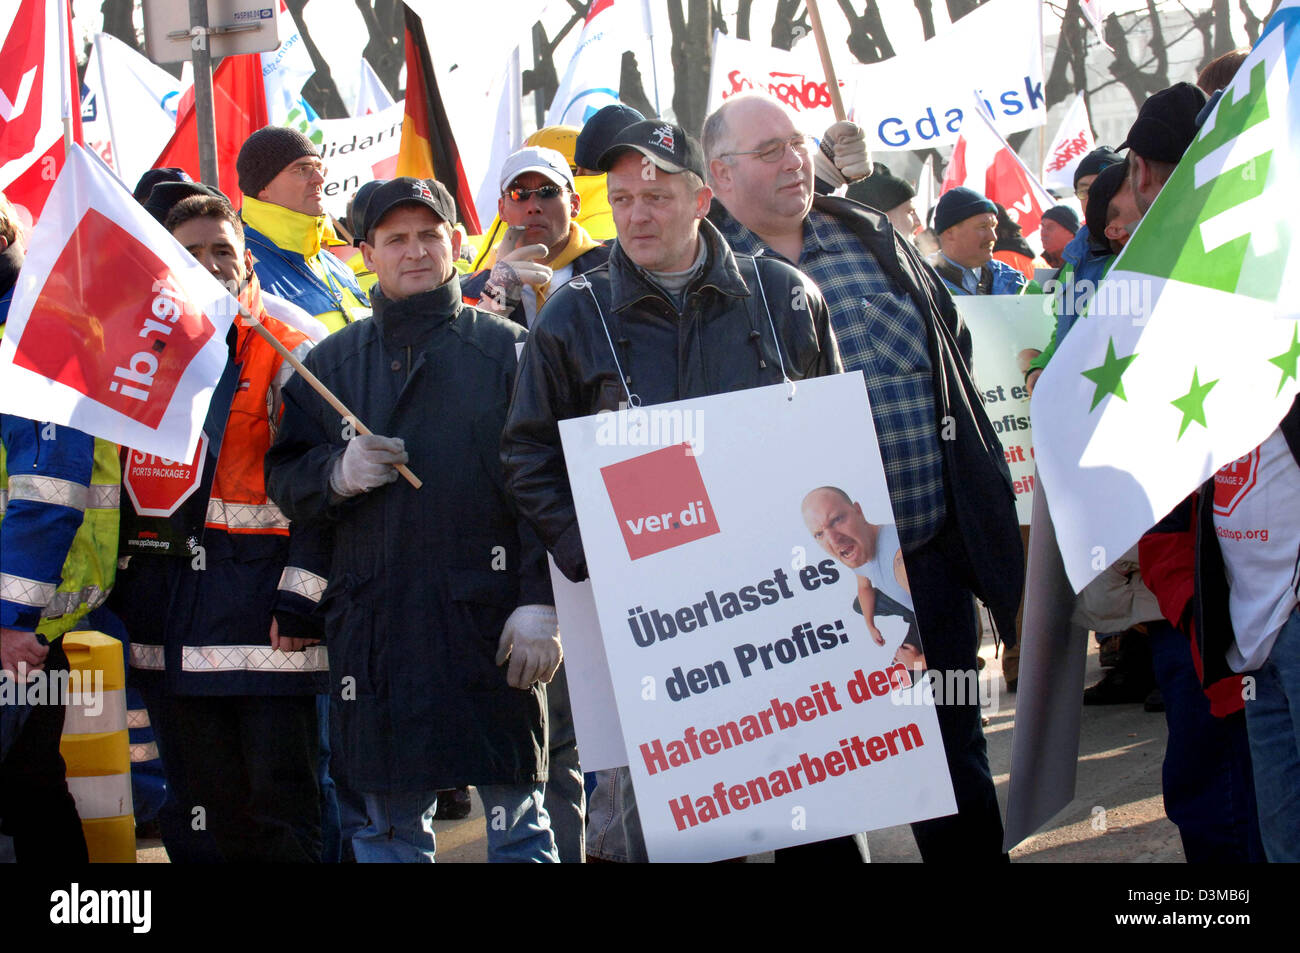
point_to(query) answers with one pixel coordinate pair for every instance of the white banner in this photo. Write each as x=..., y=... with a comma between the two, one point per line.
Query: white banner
x=128, y=108
x=917, y=99
x=759, y=710
x=1007, y=332
x=358, y=150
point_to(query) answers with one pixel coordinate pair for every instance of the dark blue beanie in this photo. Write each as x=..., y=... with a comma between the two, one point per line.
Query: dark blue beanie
x=599, y=131
x=957, y=205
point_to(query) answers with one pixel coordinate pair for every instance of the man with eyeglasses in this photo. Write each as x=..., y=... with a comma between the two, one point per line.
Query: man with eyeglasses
x=948, y=480
x=285, y=226
x=539, y=203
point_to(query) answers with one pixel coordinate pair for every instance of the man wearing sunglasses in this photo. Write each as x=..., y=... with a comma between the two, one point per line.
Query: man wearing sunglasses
x=948, y=480
x=537, y=196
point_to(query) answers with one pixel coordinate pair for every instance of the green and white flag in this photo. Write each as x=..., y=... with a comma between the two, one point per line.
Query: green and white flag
x=1189, y=354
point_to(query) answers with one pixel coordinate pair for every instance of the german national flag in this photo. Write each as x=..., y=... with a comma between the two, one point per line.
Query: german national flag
x=428, y=149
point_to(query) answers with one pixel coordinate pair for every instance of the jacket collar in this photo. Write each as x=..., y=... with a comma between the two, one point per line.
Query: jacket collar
x=628, y=284
x=290, y=230
x=410, y=320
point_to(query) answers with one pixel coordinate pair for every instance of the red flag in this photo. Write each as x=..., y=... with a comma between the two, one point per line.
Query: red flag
x=428, y=149
x=239, y=104
x=983, y=161
x=31, y=104
x=114, y=329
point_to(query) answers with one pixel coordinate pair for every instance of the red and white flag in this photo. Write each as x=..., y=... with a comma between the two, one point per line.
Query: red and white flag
x=33, y=53
x=982, y=160
x=114, y=328
x=1073, y=141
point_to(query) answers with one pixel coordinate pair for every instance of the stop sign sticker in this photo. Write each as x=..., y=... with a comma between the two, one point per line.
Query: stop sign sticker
x=158, y=486
x=1234, y=481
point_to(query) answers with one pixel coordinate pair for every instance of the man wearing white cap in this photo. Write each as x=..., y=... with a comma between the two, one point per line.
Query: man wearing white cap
x=544, y=246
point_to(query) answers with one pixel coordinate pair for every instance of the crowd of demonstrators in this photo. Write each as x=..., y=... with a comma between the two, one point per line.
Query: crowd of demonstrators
x=335, y=657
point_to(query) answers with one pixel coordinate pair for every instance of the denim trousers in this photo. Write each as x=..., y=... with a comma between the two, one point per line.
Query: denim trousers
x=565, y=795
x=1206, y=777
x=1273, y=724
x=399, y=826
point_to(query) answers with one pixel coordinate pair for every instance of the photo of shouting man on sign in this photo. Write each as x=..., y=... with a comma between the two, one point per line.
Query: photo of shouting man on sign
x=873, y=552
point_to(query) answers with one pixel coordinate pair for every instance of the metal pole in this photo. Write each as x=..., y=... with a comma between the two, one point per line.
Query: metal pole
x=67, y=69
x=201, y=56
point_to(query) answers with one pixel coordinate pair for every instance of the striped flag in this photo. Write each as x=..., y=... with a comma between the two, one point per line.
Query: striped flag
x=428, y=148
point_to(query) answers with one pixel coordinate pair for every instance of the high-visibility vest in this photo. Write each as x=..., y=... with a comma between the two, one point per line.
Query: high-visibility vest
x=91, y=564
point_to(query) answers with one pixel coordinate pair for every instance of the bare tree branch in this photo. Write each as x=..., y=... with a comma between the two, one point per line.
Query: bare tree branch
x=867, y=40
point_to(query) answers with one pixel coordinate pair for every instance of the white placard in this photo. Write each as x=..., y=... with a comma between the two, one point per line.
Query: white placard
x=756, y=709
x=1007, y=331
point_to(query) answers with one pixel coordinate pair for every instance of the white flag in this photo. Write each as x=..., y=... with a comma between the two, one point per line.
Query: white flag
x=1073, y=141
x=1189, y=354
x=591, y=81
x=285, y=70
x=484, y=156
x=927, y=192
x=128, y=108
x=114, y=328
x=372, y=95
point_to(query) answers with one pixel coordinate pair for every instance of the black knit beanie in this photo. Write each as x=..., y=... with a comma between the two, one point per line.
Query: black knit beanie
x=266, y=153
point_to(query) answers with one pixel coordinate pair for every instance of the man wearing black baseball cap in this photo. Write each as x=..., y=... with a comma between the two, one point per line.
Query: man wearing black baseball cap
x=430, y=589
x=630, y=332
x=1164, y=128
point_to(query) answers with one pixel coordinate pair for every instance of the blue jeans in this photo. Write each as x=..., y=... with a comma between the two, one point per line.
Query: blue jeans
x=1206, y=776
x=399, y=828
x=565, y=795
x=1273, y=723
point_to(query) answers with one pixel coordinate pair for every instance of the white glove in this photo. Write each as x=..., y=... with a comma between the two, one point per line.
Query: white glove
x=843, y=156
x=505, y=284
x=531, y=640
x=369, y=461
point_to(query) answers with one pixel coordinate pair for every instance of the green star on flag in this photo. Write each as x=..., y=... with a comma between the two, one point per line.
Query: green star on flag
x=1107, y=375
x=1192, y=404
x=1288, y=359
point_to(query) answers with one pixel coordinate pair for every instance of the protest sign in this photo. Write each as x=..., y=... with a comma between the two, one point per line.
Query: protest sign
x=358, y=150
x=916, y=99
x=591, y=694
x=1007, y=332
x=728, y=539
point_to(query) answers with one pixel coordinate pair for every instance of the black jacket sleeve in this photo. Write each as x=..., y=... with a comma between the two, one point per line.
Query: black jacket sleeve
x=536, y=477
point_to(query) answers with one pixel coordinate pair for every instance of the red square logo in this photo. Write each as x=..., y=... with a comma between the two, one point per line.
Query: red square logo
x=659, y=500
x=112, y=323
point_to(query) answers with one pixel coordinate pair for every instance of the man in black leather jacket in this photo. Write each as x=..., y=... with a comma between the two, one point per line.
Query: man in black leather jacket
x=672, y=315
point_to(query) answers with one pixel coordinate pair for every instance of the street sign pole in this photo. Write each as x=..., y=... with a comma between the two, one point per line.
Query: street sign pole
x=201, y=56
